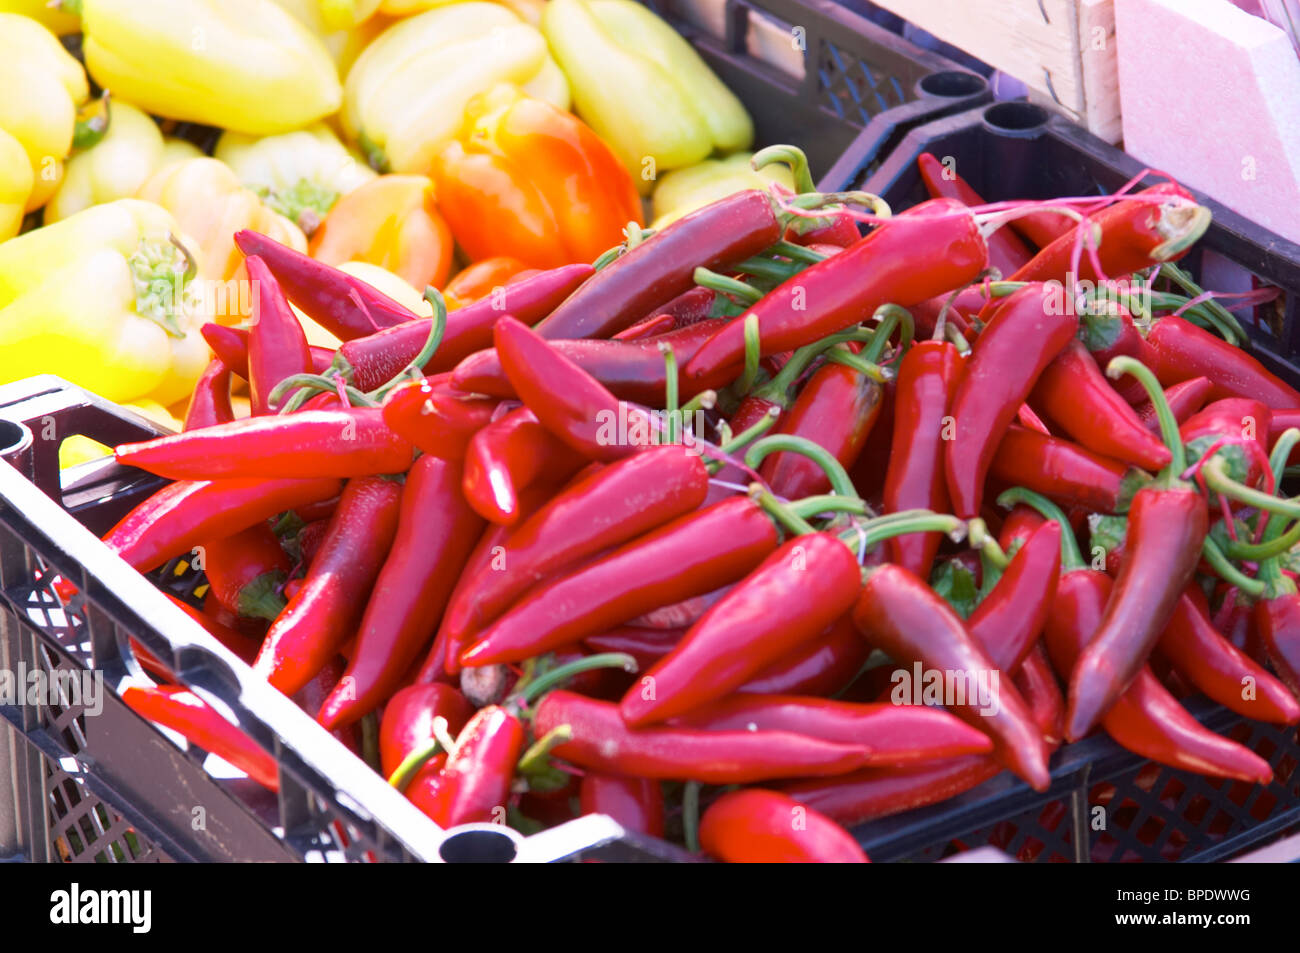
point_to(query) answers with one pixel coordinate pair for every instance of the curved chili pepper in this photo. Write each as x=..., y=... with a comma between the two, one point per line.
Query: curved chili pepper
x=411, y=591
x=210, y=403
x=277, y=346
x=230, y=345
x=606, y=507
x=1184, y=399
x=327, y=608
x=899, y=614
x=1058, y=469
x=636, y=803
x=661, y=267
x=1024, y=336
x=600, y=741
x=436, y=419
x=246, y=570
x=914, y=479
x=631, y=370
x=1018, y=526
x=506, y=456
x=1008, y=621
x=339, y=443
x=764, y=827
x=1182, y=351
x=178, y=708
x=824, y=666
x=814, y=578
x=1036, y=681
x=834, y=294
x=646, y=328
x=566, y=400
x=1218, y=669
x=1007, y=253
x=345, y=306
x=377, y=358
x=184, y=514
x=1222, y=427
x=408, y=724
x=646, y=646
x=1078, y=398
x=474, y=784
x=690, y=556
x=896, y=734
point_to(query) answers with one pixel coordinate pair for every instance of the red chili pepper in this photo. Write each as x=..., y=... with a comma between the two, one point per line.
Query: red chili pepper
x=813, y=578
x=640, y=281
x=210, y=403
x=604, y=508
x=927, y=380
x=636, y=803
x=438, y=420
x=1182, y=351
x=1078, y=398
x=645, y=328
x=1022, y=339
x=1060, y=470
x=1221, y=671
x=231, y=347
x=1036, y=681
x=340, y=443
x=822, y=667
x=246, y=570
x=646, y=646
x=184, y=514
x=408, y=723
x=602, y=742
x=1007, y=253
x=839, y=292
x=693, y=305
x=566, y=400
x=1108, y=330
x=896, y=734
x=233, y=639
x=631, y=370
x=764, y=827
x=178, y=708
x=1042, y=228
x=345, y=306
x=507, y=456
x=898, y=613
x=474, y=784
x=310, y=538
x=1008, y=621
x=327, y=609
x=277, y=346
x=1184, y=399
x=1277, y=622
x=379, y=357
x=411, y=591
x=690, y=556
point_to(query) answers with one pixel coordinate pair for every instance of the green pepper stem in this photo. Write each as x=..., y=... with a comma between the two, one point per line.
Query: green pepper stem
x=873, y=532
x=691, y=816
x=1228, y=572
x=791, y=156
x=762, y=426
x=1277, y=462
x=436, y=331
x=413, y=762
x=979, y=538
x=1117, y=368
x=890, y=316
x=535, y=758
x=874, y=372
x=767, y=268
x=670, y=390
x=788, y=519
x=811, y=506
x=539, y=686
x=796, y=252
x=723, y=284
x=753, y=353
x=835, y=471
x=1071, y=557
x=1257, y=552
x=1217, y=479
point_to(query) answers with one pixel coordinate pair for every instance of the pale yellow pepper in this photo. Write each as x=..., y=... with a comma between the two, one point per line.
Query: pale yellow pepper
x=684, y=190
x=50, y=16
x=15, y=185
x=346, y=14
x=116, y=166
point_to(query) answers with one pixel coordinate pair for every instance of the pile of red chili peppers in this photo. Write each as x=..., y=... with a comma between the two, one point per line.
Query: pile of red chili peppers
x=759, y=527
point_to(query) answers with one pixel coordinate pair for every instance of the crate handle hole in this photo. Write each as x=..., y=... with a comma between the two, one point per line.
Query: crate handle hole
x=1015, y=119
x=479, y=845
x=953, y=83
x=13, y=437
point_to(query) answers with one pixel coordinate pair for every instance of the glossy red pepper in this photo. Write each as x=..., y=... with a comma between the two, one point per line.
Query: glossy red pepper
x=692, y=555
x=345, y=306
x=1277, y=622
x=233, y=639
x=764, y=827
x=508, y=455
x=822, y=667
x=1007, y=253
x=246, y=570
x=407, y=726
x=662, y=267
x=328, y=607
x=178, y=708
x=600, y=741
x=847, y=288
x=277, y=345
x=927, y=380
x=411, y=591
x=230, y=345
x=636, y=803
x=1036, y=681
x=813, y=578
x=1018, y=526
x=899, y=614
x=646, y=646
x=474, y=784
x=646, y=328
x=210, y=403
x=1008, y=621
x=1024, y=336
x=317, y=443
x=1076, y=396
x=378, y=357
x=1224, y=427
x=437, y=420
x=1184, y=399
x=1060, y=470
x=1107, y=330
x=184, y=514
x=1182, y=351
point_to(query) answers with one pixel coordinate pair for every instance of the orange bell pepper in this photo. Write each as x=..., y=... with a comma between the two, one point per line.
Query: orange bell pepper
x=478, y=280
x=533, y=182
x=392, y=222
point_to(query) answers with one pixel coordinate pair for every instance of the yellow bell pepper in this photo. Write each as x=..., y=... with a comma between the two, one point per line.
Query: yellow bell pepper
x=246, y=65
x=345, y=14
x=104, y=299
x=53, y=18
x=211, y=204
x=15, y=185
x=642, y=87
x=42, y=87
x=684, y=190
x=298, y=174
x=115, y=167
x=405, y=95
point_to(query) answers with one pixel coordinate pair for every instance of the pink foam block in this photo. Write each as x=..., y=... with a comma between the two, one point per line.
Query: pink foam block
x=1211, y=95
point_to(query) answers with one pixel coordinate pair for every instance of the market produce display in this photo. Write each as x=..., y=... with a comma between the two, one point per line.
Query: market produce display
x=787, y=512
